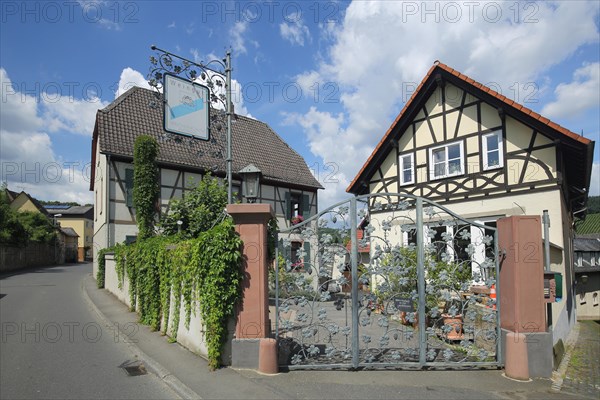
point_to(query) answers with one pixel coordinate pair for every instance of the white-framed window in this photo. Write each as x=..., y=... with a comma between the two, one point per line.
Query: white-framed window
x=446, y=160
x=407, y=169
x=492, y=151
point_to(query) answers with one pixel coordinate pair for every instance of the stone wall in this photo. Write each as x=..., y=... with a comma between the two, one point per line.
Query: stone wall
x=33, y=255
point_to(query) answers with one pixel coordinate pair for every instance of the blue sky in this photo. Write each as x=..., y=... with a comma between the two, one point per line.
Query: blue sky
x=328, y=76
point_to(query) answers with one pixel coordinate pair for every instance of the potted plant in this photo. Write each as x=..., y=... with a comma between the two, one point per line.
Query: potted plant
x=450, y=279
x=297, y=219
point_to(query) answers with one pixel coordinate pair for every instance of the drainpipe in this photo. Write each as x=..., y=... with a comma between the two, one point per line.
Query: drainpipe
x=107, y=202
x=546, y=222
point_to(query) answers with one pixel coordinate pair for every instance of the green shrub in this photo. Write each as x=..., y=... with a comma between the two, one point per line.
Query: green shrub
x=198, y=211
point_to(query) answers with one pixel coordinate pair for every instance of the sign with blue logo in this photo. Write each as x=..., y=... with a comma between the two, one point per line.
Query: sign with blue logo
x=187, y=107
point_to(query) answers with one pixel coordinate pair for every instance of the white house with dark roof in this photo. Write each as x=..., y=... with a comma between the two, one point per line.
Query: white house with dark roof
x=485, y=157
x=286, y=181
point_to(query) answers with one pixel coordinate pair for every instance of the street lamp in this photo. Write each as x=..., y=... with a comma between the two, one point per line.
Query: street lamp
x=167, y=62
x=251, y=176
x=179, y=223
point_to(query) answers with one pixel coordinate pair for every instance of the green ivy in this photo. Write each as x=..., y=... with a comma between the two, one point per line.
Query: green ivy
x=204, y=272
x=145, y=184
x=101, y=273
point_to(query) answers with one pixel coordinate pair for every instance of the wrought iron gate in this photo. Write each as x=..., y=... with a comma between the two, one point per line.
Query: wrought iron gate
x=387, y=281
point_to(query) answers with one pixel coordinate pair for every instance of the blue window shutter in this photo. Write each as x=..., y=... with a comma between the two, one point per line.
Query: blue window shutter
x=288, y=205
x=305, y=206
x=129, y=187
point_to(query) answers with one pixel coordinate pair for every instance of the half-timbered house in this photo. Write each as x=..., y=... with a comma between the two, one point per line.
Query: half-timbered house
x=484, y=156
x=286, y=182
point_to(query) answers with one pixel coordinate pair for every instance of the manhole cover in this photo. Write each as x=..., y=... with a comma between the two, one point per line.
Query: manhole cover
x=134, y=368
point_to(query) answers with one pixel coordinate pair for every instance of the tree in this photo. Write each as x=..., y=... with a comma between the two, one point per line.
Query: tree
x=18, y=228
x=38, y=227
x=58, y=202
x=145, y=184
x=593, y=204
x=199, y=210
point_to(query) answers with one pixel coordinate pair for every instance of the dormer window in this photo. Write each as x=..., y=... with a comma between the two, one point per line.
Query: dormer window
x=446, y=161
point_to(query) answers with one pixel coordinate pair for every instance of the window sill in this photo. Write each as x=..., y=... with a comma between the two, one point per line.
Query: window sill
x=439, y=178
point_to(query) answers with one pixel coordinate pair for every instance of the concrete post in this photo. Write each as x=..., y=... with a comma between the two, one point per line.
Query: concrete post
x=252, y=317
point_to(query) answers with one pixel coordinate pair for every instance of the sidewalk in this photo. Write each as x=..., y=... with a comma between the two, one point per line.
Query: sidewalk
x=189, y=376
x=583, y=372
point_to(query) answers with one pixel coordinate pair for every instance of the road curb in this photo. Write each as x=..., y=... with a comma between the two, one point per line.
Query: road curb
x=558, y=376
x=180, y=388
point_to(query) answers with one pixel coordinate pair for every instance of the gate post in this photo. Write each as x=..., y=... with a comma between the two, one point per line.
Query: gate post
x=252, y=315
x=521, y=295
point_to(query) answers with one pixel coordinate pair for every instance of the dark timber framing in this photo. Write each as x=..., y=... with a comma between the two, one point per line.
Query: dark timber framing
x=520, y=164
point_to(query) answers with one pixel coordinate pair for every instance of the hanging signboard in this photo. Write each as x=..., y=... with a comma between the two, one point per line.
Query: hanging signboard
x=187, y=107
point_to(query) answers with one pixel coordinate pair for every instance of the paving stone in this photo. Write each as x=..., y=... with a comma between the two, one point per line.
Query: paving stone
x=583, y=373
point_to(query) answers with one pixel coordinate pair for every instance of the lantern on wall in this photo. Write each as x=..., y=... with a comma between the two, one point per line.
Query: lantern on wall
x=251, y=182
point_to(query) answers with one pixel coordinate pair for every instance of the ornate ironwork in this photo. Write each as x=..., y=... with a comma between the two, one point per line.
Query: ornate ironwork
x=215, y=78
x=389, y=280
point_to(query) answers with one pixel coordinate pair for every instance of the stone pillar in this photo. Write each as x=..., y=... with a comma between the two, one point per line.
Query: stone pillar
x=522, y=307
x=521, y=296
x=253, y=312
x=252, y=317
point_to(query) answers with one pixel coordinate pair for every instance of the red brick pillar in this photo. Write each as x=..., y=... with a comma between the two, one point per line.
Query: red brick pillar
x=251, y=220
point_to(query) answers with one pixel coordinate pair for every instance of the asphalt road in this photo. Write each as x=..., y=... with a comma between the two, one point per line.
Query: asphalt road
x=54, y=346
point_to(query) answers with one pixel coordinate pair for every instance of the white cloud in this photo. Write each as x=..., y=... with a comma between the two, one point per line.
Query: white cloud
x=190, y=28
x=595, y=180
x=72, y=115
x=325, y=133
x=237, y=36
x=308, y=79
x=574, y=98
x=129, y=78
x=18, y=111
x=171, y=25
x=380, y=49
x=18, y=146
x=28, y=160
x=293, y=29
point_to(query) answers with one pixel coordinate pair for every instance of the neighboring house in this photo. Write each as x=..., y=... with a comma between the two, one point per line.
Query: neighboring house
x=587, y=267
x=69, y=239
x=81, y=220
x=286, y=181
x=24, y=202
x=484, y=156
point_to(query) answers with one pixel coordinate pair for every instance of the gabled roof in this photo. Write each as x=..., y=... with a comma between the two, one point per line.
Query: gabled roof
x=253, y=142
x=69, y=232
x=33, y=200
x=576, y=148
x=71, y=211
x=10, y=194
x=586, y=244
